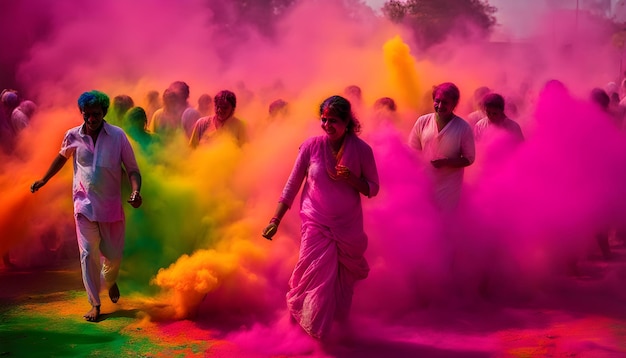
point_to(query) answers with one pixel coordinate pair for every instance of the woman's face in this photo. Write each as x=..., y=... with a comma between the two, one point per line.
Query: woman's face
x=333, y=126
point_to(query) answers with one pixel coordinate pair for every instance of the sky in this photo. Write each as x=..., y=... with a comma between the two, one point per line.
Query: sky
x=515, y=18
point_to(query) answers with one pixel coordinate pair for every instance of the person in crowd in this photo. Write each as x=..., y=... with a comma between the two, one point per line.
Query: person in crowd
x=23, y=115
x=496, y=120
x=121, y=104
x=9, y=101
x=137, y=122
x=176, y=113
x=151, y=103
x=101, y=153
x=278, y=109
x=354, y=94
x=385, y=104
x=385, y=108
x=205, y=105
x=447, y=142
x=601, y=99
x=336, y=168
x=223, y=121
x=478, y=112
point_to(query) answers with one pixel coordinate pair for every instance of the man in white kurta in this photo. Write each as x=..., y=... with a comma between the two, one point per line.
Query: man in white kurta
x=101, y=154
x=447, y=142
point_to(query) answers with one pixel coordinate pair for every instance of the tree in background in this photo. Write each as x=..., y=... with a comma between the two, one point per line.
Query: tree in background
x=433, y=21
x=238, y=16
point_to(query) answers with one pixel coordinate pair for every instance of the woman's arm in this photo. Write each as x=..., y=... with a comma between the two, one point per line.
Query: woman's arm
x=291, y=189
x=271, y=229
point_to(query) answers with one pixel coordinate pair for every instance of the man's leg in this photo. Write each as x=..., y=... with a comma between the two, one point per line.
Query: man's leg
x=112, y=247
x=88, y=235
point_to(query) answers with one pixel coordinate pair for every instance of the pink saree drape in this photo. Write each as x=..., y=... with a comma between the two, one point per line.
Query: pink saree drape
x=333, y=241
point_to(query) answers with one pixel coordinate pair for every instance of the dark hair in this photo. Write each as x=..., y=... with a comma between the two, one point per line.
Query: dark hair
x=122, y=103
x=205, y=99
x=94, y=98
x=385, y=102
x=449, y=90
x=153, y=95
x=226, y=95
x=599, y=97
x=137, y=117
x=615, y=97
x=10, y=98
x=493, y=100
x=353, y=91
x=555, y=85
x=277, y=106
x=480, y=93
x=342, y=108
x=182, y=86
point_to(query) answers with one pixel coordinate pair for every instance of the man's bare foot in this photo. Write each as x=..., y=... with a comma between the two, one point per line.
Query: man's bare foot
x=93, y=314
x=114, y=293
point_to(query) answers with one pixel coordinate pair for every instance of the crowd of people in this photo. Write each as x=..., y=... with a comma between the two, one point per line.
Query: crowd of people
x=17, y=112
x=332, y=171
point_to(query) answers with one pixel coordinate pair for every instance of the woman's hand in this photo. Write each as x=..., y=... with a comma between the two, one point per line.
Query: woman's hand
x=360, y=184
x=270, y=230
x=343, y=172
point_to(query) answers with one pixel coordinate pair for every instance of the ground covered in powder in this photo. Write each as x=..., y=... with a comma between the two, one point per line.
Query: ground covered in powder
x=41, y=315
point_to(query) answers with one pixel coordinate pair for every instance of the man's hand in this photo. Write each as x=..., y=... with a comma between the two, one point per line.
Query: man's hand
x=36, y=185
x=135, y=199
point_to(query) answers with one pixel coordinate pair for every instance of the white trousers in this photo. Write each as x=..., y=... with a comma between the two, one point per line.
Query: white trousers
x=101, y=245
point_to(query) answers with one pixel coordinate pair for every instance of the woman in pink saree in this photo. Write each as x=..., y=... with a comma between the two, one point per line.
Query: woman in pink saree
x=336, y=167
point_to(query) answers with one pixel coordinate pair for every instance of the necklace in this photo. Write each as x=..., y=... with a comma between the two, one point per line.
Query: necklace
x=333, y=159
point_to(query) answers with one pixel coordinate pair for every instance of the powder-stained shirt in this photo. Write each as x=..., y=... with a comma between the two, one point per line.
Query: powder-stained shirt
x=98, y=170
x=486, y=128
x=453, y=141
x=19, y=120
x=206, y=128
x=168, y=123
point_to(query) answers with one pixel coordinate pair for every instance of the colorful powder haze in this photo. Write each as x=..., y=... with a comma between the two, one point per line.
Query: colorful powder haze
x=195, y=261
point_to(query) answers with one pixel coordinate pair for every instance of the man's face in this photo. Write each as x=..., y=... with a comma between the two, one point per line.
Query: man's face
x=223, y=109
x=443, y=105
x=494, y=114
x=93, y=116
x=177, y=94
x=169, y=98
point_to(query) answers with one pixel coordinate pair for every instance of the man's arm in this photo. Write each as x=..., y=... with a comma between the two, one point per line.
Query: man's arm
x=56, y=165
x=135, y=185
x=135, y=181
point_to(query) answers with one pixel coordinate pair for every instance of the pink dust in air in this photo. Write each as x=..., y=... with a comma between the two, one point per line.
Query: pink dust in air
x=527, y=211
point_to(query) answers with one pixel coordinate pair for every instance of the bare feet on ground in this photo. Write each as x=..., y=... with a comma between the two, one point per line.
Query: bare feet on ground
x=93, y=314
x=114, y=293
